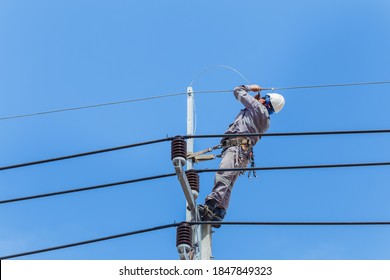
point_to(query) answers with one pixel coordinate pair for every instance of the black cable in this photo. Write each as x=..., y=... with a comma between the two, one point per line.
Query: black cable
x=195, y=223
x=295, y=167
x=87, y=188
x=89, y=241
x=193, y=136
x=198, y=171
x=85, y=154
x=290, y=223
x=310, y=133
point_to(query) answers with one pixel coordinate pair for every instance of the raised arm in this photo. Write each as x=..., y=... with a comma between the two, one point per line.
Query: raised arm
x=241, y=94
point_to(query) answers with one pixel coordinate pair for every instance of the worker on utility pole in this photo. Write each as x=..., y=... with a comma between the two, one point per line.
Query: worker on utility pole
x=238, y=151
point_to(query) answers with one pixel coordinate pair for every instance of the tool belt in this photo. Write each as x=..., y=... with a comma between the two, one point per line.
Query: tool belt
x=237, y=141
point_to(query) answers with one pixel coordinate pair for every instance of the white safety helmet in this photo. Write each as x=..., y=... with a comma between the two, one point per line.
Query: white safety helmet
x=277, y=101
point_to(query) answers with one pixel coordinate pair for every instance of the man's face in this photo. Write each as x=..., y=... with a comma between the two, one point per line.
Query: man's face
x=266, y=102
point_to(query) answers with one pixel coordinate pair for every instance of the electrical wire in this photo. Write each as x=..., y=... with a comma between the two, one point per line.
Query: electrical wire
x=330, y=85
x=221, y=66
x=85, y=154
x=89, y=241
x=87, y=188
x=372, y=223
x=295, y=167
x=106, y=104
x=92, y=106
x=198, y=171
x=313, y=133
x=181, y=93
x=377, y=223
x=309, y=133
x=204, y=71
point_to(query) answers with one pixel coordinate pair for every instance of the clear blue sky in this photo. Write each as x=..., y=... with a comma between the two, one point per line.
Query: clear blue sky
x=59, y=54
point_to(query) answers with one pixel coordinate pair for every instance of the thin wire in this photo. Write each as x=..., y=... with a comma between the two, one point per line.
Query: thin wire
x=86, y=188
x=199, y=171
x=204, y=71
x=330, y=85
x=295, y=167
x=215, y=66
x=177, y=94
x=89, y=241
x=195, y=223
x=91, y=106
x=85, y=154
x=304, y=87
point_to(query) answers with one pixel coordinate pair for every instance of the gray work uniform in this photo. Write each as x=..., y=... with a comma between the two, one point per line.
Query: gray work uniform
x=254, y=118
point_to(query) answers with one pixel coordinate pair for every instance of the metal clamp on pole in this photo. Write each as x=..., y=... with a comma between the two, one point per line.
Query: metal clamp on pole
x=179, y=157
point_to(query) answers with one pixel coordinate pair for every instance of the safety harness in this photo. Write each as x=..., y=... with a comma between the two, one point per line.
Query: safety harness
x=198, y=156
x=226, y=143
x=242, y=142
x=238, y=141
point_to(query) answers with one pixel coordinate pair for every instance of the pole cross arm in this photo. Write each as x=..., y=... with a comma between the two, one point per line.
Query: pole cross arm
x=178, y=164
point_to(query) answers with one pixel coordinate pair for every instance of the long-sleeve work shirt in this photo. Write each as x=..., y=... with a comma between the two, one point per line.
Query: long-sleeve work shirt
x=254, y=118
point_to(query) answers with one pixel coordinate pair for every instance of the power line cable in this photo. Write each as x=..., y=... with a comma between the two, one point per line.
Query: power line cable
x=87, y=188
x=304, y=87
x=378, y=223
x=309, y=133
x=191, y=136
x=181, y=93
x=198, y=171
x=295, y=167
x=330, y=85
x=85, y=154
x=91, y=106
x=89, y=241
x=369, y=223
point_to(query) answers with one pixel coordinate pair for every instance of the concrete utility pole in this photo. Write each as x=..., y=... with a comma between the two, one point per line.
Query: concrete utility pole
x=190, y=131
x=201, y=234
x=192, y=242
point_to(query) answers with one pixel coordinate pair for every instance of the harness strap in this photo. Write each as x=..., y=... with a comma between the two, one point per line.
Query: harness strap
x=238, y=141
x=201, y=158
x=198, y=156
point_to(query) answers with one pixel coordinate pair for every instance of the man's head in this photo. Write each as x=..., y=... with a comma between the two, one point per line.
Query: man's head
x=274, y=102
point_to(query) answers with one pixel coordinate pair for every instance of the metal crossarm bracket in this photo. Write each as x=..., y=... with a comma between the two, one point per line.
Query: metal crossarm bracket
x=178, y=164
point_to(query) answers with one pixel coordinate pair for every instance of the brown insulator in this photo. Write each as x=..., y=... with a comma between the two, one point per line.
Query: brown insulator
x=193, y=179
x=178, y=148
x=184, y=234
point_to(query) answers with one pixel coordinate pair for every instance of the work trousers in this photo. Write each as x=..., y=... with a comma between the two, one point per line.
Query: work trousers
x=232, y=157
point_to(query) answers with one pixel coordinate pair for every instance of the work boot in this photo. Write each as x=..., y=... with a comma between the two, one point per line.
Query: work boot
x=216, y=219
x=219, y=214
x=205, y=212
x=209, y=214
